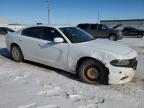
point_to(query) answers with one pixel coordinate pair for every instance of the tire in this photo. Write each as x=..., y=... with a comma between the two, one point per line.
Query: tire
x=92, y=72
x=16, y=53
x=113, y=37
x=139, y=35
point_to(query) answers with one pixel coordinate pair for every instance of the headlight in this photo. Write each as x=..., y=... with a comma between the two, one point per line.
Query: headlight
x=120, y=63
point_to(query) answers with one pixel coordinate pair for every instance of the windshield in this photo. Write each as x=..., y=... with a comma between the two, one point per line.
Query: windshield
x=76, y=35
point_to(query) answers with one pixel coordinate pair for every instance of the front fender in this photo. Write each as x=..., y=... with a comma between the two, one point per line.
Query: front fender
x=76, y=54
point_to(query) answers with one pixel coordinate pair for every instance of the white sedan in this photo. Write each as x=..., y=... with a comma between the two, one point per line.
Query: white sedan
x=73, y=50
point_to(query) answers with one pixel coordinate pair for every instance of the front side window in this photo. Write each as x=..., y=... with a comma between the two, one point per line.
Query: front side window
x=104, y=27
x=34, y=32
x=50, y=33
x=76, y=35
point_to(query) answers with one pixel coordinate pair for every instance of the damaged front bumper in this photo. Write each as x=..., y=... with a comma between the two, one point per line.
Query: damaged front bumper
x=120, y=75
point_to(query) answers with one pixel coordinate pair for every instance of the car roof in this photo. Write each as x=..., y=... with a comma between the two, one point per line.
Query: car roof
x=44, y=25
x=53, y=26
x=89, y=24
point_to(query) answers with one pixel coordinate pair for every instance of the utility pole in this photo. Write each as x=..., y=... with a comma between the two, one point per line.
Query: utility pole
x=49, y=21
x=98, y=19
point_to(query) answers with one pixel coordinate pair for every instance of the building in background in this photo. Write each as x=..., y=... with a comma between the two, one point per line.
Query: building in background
x=3, y=22
x=137, y=23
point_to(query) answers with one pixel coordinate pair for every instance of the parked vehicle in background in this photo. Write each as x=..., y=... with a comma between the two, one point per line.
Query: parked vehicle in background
x=132, y=32
x=5, y=30
x=101, y=31
x=73, y=50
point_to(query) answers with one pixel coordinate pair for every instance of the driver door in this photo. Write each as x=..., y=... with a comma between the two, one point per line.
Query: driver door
x=51, y=53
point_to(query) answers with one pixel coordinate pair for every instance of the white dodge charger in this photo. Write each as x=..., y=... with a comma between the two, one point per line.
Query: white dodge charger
x=73, y=50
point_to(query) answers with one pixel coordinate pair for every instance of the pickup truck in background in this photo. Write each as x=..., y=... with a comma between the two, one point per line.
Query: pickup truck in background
x=101, y=31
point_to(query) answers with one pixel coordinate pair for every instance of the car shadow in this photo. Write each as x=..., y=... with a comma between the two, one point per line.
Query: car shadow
x=6, y=54
x=61, y=72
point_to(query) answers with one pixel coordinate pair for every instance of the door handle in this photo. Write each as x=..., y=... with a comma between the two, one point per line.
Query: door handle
x=43, y=45
x=40, y=45
x=20, y=39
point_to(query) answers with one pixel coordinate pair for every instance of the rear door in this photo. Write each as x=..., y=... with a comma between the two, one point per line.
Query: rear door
x=28, y=42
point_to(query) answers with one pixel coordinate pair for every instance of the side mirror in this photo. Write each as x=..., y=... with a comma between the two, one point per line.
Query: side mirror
x=58, y=40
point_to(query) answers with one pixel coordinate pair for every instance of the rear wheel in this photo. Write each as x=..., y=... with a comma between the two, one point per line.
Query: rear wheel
x=139, y=35
x=92, y=72
x=113, y=37
x=16, y=54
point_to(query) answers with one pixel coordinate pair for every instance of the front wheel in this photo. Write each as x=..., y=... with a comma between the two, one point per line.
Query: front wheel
x=17, y=55
x=92, y=72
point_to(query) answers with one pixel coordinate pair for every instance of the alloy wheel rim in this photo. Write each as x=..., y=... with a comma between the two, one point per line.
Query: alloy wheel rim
x=112, y=38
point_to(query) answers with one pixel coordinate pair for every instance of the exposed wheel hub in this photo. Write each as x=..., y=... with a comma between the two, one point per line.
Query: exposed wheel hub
x=92, y=73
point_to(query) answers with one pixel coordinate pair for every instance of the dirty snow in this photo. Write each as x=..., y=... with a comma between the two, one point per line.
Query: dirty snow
x=31, y=85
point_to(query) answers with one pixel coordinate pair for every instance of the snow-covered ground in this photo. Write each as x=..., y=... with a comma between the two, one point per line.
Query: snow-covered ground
x=31, y=85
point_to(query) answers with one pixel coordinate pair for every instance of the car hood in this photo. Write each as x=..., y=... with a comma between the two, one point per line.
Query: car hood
x=107, y=45
x=119, y=25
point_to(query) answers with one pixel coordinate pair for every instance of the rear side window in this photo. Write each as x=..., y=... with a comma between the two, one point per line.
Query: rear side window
x=93, y=27
x=132, y=29
x=83, y=26
x=129, y=29
x=125, y=29
x=50, y=33
x=34, y=32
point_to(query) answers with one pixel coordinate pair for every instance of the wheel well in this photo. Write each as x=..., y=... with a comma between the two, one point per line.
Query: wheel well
x=112, y=34
x=14, y=44
x=81, y=60
x=140, y=33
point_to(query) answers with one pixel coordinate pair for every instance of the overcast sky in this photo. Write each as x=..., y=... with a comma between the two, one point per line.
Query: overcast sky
x=70, y=11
